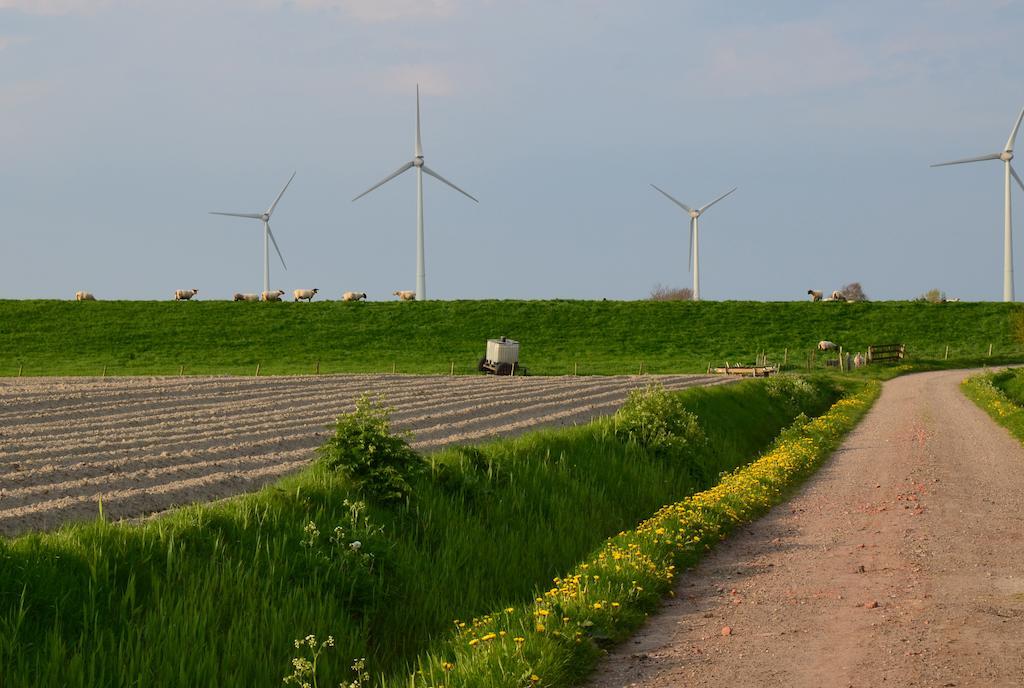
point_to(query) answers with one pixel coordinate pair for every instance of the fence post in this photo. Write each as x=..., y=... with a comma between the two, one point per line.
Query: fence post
x=257, y=370
x=104, y=373
x=21, y=368
x=946, y=358
x=181, y=371
x=990, y=349
x=785, y=356
x=394, y=368
x=453, y=368
x=318, y=366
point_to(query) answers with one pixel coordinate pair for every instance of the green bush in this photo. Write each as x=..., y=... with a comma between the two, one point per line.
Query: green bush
x=658, y=420
x=379, y=463
x=796, y=391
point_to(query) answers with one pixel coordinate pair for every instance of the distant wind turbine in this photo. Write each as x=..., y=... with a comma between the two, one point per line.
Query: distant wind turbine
x=694, y=252
x=1006, y=156
x=268, y=235
x=417, y=162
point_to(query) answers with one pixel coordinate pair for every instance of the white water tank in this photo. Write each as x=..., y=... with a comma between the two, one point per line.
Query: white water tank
x=502, y=350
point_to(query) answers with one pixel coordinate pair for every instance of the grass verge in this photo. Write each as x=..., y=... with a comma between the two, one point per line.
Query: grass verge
x=1001, y=396
x=216, y=594
x=556, y=640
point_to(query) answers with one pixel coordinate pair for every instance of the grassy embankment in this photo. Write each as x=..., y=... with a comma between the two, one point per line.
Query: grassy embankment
x=1001, y=395
x=216, y=594
x=593, y=337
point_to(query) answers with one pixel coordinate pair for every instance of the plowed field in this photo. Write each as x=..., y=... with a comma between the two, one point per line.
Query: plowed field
x=143, y=445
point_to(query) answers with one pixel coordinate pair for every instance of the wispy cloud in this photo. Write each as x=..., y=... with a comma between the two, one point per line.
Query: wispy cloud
x=433, y=80
x=384, y=10
x=780, y=60
x=54, y=6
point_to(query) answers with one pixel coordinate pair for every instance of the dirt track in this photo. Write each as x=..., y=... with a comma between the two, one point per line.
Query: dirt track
x=146, y=444
x=901, y=563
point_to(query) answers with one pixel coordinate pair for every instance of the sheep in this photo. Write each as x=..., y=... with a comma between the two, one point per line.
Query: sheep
x=272, y=295
x=84, y=296
x=859, y=360
x=405, y=295
x=245, y=297
x=306, y=294
x=825, y=345
x=838, y=296
x=353, y=296
x=184, y=294
x=815, y=295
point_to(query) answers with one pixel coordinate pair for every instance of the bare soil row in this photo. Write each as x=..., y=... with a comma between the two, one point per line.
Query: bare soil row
x=144, y=445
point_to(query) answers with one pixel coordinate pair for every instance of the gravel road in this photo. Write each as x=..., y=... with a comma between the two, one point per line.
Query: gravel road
x=900, y=563
x=144, y=445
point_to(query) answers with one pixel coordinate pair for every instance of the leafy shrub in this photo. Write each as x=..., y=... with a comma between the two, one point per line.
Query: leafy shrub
x=854, y=292
x=795, y=391
x=662, y=293
x=379, y=463
x=933, y=296
x=658, y=420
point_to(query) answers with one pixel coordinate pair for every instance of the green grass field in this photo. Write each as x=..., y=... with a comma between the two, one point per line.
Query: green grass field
x=557, y=337
x=214, y=595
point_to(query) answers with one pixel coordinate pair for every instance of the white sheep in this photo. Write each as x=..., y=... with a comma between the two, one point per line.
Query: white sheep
x=306, y=294
x=815, y=295
x=859, y=360
x=245, y=297
x=184, y=294
x=353, y=296
x=837, y=296
x=405, y=295
x=825, y=345
x=84, y=296
x=272, y=295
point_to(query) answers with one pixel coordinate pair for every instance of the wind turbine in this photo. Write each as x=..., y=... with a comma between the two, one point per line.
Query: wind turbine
x=268, y=236
x=421, y=168
x=1006, y=156
x=694, y=253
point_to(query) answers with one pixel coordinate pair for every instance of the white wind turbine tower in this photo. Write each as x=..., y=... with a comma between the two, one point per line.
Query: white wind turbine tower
x=694, y=252
x=417, y=162
x=1006, y=156
x=268, y=236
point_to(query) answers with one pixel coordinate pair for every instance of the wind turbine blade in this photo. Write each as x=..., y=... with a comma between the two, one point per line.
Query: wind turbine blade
x=669, y=197
x=1014, y=173
x=419, y=141
x=276, y=248
x=276, y=200
x=251, y=215
x=717, y=200
x=691, y=244
x=1013, y=134
x=435, y=175
x=993, y=156
x=391, y=176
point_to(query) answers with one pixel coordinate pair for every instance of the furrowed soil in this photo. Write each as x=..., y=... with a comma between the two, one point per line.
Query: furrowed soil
x=898, y=564
x=144, y=445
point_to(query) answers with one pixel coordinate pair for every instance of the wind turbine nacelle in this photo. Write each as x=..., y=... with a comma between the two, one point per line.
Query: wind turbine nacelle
x=417, y=161
x=1006, y=156
x=694, y=214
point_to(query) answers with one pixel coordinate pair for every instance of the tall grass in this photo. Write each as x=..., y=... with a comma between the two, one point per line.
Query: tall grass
x=558, y=337
x=216, y=594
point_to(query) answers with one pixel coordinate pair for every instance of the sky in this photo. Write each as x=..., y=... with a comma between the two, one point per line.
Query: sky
x=123, y=123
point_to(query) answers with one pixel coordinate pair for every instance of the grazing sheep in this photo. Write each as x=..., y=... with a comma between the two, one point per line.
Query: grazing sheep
x=825, y=345
x=245, y=297
x=405, y=295
x=184, y=294
x=815, y=295
x=306, y=294
x=837, y=296
x=84, y=296
x=272, y=295
x=353, y=296
x=859, y=360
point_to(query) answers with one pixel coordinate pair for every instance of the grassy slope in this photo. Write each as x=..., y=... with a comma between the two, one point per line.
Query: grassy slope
x=603, y=337
x=214, y=595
